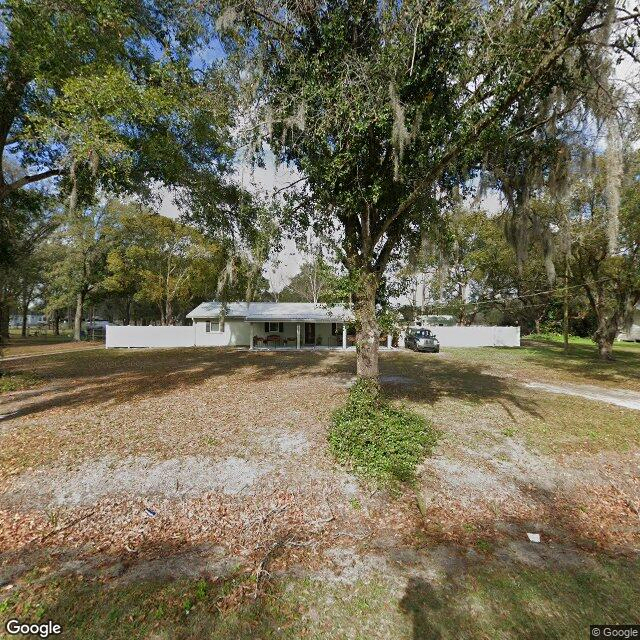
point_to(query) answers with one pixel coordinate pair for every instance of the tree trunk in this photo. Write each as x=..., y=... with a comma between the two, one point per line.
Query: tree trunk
x=368, y=332
x=605, y=335
x=127, y=312
x=25, y=317
x=414, y=302
x=4, y=326
x=4, y=321
x=14, y=88
x=565, y=305
x=605, y=349
x=169, y=313
x=56, y=323
x=472, y=317
x=27, y=295
x=77, y=325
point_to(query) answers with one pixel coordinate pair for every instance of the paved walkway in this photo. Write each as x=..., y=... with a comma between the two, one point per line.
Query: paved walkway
x=621, y=398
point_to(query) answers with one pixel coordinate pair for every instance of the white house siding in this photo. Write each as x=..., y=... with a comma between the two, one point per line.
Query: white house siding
x=235, y=334
x=634, y=330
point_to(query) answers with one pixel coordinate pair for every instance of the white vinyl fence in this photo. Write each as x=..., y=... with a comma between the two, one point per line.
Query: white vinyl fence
x=149, y=336
x=116, y=336
x=477, y=336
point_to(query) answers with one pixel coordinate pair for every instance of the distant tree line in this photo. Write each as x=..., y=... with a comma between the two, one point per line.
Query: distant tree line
x=394, y=114
x=475, y=274
x=120, y=262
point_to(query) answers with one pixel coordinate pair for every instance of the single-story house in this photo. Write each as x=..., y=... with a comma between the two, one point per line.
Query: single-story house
x=33, y=320
x=632, y=333
x=292, y=325
x=289, y=325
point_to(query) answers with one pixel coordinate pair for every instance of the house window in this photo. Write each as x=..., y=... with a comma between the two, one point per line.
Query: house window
x=274, y=327
x=212, y=326
x=336, y=328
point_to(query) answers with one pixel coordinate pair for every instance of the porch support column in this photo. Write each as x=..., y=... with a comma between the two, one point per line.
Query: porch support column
x=298, y=336
x=251, y=335
x=344, y=335
x=389, y=338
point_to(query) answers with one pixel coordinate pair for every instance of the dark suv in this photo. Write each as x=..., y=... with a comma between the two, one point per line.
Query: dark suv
x=420, y=339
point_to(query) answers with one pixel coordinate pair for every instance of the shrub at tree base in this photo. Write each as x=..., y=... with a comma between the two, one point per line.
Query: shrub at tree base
x=378, y=441
x=17, y=381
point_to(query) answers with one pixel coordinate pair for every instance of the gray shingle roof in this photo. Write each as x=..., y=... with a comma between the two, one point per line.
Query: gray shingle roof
x=212, y=310
x=275, y=311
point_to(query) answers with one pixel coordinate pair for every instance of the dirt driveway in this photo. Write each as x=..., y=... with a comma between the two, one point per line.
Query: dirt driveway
x=168, y=465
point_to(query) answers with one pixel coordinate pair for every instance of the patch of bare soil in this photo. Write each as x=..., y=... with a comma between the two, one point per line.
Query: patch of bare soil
x=32, y=348
x=477, y=488
x=164, y=461
x=135, y=476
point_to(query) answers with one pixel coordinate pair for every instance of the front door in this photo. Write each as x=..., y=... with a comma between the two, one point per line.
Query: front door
x=309, y=333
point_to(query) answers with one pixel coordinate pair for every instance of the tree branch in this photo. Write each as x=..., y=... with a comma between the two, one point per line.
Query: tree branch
x=29, y=179
x=490, y=117
x=288, y=186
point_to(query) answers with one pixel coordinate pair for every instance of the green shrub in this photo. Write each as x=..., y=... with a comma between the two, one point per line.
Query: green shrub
x=379, y=442
x=17, y=381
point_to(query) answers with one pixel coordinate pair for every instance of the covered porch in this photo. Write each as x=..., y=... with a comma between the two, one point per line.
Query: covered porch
x=303, y=334
x=296, y=326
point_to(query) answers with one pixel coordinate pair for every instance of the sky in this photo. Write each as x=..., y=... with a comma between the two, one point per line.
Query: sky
x=267, y=179
x=283, y=266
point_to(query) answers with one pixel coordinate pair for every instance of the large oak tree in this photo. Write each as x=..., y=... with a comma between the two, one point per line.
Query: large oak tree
x=113, y=87
x=384, y=107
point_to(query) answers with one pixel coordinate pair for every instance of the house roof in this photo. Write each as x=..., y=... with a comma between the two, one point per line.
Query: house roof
x=299, y=311
x=275, y=311
x=432, y=315
x=212, y=310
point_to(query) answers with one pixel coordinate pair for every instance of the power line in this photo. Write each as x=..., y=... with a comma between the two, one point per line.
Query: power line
x=518, y=297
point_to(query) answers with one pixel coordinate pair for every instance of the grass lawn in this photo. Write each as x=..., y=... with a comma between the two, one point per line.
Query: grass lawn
x=42, y=344
x=544, y=358
x=484, y=600
x=190, y=493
